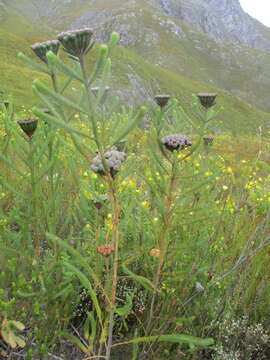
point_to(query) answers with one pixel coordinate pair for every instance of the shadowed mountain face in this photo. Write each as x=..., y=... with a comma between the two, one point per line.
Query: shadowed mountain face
x=222, y=20
x=213, y=42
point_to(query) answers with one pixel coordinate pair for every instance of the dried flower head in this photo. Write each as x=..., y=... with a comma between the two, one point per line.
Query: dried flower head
x=176, y=142
x=207, y=100
x=155, y=253
x=106, y=250
x=162, y=100
x=77, y=42
x=114, y=160
x=208, y=140
x=28, y=126
x=41, y=49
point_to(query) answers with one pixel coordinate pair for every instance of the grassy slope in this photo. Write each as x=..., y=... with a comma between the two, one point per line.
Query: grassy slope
x=237, y=69
x=238, y=116
x=15, y=79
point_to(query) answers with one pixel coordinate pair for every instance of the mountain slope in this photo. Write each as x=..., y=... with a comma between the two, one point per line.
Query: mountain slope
x=171, y=55
x=163, y=32
x=223, y=20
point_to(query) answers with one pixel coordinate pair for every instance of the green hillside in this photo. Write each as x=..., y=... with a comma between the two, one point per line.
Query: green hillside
x=186, y=70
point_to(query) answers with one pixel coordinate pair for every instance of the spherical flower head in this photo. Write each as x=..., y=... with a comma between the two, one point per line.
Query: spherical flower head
x=207, y=100
x=176, y=142
x=41, y=49
x=77, y=42
x=208, y=140
x=162, y=100
x=106, y=250
x=28, y=126
x=114, y=160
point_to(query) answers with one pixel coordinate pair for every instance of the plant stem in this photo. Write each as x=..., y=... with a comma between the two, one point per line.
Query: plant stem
x=163, y=240
x=33, y=214
x=115, y=241
x=91, y=118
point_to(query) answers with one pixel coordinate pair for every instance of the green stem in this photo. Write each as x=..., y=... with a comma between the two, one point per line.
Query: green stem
x=163, y=241
x=91, y=118
x=33, y=214
x=115, y=241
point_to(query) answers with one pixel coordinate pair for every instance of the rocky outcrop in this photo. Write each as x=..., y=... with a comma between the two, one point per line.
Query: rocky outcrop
x=223, y=20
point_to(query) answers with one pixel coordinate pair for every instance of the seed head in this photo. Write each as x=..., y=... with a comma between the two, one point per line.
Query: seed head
x=114, y=160
x=106, y=250
x=208, y=140
x=77, y=42
x=176, y=142
x=207, y=100
x=162, y=100
x=41, y=49
x=29, y=126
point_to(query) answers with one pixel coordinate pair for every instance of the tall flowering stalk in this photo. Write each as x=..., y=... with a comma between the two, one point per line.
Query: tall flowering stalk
x=175, y=149
x=102, y=285
x=173, y=144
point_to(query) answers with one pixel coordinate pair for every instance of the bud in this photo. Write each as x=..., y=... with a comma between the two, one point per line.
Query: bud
x=42, y=48
x=176, y=142
x=162, y=100
x=114, y=160
x=106, y=250
x=207, y=100
x=115, y=37
x=77, y=42
x=28, y=126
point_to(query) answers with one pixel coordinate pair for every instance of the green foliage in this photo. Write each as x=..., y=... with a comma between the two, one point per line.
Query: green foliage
x=148, y=252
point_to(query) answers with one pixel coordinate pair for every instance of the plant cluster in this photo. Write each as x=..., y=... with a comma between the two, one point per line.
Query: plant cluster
x=114, y=236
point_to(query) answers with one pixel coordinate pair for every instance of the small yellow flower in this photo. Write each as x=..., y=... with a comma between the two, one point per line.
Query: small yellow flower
x=155, y=219
x=145, y=204
x=225, y=187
